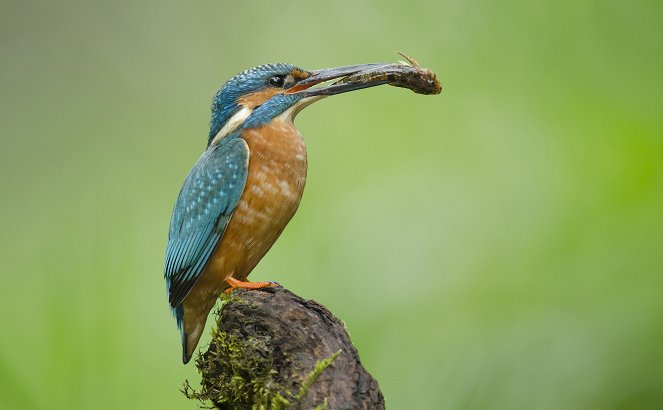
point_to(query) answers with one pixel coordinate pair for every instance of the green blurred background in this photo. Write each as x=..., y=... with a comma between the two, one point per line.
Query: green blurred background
x=498, y=246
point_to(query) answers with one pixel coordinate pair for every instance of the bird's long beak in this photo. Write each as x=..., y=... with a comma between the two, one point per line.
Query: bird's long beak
x=321, y=76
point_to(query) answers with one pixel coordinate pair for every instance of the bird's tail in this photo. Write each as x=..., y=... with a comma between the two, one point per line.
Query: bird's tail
x=191, y=327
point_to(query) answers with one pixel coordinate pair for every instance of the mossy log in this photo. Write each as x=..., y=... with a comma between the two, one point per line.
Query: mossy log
x=271, y=349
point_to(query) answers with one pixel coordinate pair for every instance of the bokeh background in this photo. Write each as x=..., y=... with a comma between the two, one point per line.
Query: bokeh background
x=497, y=246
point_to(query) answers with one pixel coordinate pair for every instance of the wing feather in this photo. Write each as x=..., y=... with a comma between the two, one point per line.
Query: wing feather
x=204, y=206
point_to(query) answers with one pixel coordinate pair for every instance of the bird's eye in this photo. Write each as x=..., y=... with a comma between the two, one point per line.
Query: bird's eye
x=276, y=81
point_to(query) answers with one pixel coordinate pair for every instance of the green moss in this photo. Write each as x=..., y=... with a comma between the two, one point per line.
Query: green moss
x=226, y=298
x=322, y=406
x=320, y=366
x=237, y=373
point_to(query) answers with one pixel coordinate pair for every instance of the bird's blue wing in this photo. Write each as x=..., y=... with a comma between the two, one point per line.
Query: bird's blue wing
x=206, y=201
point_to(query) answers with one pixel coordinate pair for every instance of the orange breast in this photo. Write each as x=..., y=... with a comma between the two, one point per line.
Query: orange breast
x=274, y=187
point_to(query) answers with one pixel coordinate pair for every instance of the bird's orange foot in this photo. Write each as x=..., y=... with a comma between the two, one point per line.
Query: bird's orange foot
x=234, y=284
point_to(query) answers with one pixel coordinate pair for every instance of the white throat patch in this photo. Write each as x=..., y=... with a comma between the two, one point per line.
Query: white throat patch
x=231, y=125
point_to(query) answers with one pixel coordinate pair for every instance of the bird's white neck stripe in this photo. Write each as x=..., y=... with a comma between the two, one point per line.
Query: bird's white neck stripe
x=231, y=125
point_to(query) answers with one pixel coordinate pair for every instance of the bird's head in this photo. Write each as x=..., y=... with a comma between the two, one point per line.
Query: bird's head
x=256, y=96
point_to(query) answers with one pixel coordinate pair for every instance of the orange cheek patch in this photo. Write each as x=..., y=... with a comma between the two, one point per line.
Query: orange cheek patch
x=257, y=98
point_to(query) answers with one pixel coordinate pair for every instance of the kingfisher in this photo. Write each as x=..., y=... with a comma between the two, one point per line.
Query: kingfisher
x=244, y=188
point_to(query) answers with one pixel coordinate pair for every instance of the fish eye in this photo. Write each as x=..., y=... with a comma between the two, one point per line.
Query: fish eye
x=276, y=81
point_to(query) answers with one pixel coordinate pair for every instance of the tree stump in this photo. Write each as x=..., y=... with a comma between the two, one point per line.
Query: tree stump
x=272, y=349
